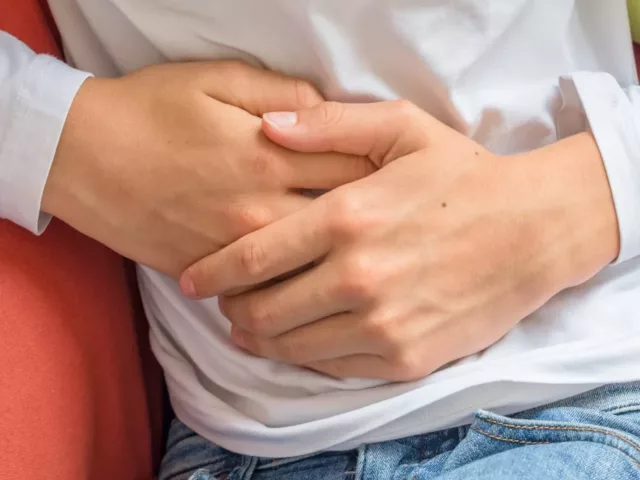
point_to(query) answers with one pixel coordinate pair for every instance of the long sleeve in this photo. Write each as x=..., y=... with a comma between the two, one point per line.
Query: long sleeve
x=36, y=92
x=612, y=114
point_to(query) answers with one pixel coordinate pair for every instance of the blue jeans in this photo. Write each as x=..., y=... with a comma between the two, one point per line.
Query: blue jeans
x=592, y=436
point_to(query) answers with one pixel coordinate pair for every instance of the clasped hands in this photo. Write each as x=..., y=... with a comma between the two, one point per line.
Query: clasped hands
x=425, y=249
x=433, y=257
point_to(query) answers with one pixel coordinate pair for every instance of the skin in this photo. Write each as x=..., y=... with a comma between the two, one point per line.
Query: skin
x=168, y=164
x=432, y=258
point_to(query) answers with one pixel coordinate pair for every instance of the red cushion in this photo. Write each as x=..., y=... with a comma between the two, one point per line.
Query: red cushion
x=72, y=394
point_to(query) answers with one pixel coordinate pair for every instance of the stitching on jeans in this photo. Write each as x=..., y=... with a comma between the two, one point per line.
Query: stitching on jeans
x=525, y=442
x=634, y=445
x=625, y=408
x=512, y=440
x=575, y=429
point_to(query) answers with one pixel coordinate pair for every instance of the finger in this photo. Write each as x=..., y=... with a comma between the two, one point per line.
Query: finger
x=283, y=307
x=382, y=131
x=274, y=250
x=372, y=365
x=253, y=89
x=320, y=171
x=269, y=283
x=358, y=365
x=315, y=342
x=254, y=213
x=325, y=171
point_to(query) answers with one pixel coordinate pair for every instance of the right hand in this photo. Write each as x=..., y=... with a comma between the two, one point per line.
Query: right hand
x=169, y=164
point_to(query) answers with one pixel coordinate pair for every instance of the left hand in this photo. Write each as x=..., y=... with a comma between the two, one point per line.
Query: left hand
x=432, y=258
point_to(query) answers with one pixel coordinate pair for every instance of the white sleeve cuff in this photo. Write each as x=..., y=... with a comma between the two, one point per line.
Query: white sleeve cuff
x=615, y=125
x=41, y=99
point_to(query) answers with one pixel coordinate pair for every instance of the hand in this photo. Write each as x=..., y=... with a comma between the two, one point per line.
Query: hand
x=169, y=163
x=432, y=258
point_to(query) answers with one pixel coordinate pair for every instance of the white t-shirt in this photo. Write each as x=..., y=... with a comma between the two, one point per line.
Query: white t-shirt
x=513, y=75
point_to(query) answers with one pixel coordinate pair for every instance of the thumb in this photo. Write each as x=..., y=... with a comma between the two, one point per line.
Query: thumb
x=382, y=131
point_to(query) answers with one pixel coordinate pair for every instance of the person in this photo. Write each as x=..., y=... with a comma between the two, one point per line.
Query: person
x=476, y=250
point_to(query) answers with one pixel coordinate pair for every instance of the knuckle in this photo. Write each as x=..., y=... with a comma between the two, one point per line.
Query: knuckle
x=250, y=217
x=346, y=216
x=258, y=318
x=408, y=366
x=358, y=279
x=290, y=351
x=253, y=259
x=382, y=329
x=404, y=109
x=306, y=94
x=330, y=113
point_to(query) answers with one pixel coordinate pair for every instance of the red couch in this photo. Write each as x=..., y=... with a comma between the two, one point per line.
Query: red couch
x=80, y=394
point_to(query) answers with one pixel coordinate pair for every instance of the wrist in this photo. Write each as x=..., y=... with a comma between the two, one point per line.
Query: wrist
x=578, y=220
x=73, y=159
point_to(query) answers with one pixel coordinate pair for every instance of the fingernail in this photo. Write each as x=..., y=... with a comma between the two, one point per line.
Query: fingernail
x=188, y=287
x=281, y=119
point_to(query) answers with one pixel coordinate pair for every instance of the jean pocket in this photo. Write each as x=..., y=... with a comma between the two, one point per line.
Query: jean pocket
x=569, y=428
